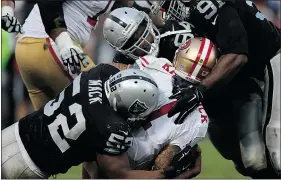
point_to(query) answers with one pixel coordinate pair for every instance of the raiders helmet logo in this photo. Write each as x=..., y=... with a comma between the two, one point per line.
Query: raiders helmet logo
x=138, y=107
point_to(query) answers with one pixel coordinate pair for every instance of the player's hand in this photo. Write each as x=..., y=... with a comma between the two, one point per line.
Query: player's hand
x=188, y=99
x=195, y=167
x=9, y=22
x=181, y=162
x=71, y=55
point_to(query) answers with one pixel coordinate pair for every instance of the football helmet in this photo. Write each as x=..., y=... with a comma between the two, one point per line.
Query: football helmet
x=195, y=59
x=176, y=10
x=121, y=25
x=132, y=93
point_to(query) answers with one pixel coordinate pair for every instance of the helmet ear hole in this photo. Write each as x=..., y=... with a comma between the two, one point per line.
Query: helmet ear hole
x=144, y=90
x=136, y=82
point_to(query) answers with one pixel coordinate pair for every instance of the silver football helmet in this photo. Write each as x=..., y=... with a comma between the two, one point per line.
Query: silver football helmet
x=121, y=27
x=132, y=93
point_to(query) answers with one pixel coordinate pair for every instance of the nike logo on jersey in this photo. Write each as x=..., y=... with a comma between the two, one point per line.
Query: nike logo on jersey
x=260, y=16
x=214, y=22
x=126, y=133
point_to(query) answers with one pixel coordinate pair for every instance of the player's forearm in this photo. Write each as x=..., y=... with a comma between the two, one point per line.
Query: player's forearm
x=10, y=3
x=119, y=167
x=140, y=174
x=225, y=69
x=52, y=17
x=164, y=159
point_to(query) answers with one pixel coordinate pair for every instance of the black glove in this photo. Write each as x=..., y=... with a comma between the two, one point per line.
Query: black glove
x=188, y=99
x=180, y=163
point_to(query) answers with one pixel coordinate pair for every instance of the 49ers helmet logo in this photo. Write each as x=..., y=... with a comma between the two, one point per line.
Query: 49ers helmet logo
x=185, y=45
x=138, y=107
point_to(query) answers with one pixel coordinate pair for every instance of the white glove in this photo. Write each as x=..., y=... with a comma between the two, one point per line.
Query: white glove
x=71, y=55
x=9, y=22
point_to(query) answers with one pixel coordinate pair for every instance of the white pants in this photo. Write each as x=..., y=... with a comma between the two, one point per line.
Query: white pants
x=273, y=128
x=16, y=163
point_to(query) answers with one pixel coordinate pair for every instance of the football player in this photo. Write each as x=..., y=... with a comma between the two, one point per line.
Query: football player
x=89, y=120
x=59, y=54
x=160, y=134
x=131, y=33
x=175, y=131
x=56, y=38
x=234, y=25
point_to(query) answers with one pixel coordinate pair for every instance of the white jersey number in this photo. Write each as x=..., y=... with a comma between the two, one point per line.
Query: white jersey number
x=61, y=120
x=181, y=38
x=208, y=8
x=117, y=143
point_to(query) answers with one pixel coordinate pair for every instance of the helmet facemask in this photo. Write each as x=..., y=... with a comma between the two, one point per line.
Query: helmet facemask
x=144, y=41
x=176, y=10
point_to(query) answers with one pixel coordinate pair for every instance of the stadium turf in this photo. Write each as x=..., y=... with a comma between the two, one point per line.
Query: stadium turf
x=214, y=166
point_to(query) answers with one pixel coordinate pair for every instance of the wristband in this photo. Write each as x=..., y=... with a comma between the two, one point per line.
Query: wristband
x=169, y=172
x=201, y=88
x=7, y=10
x=63, y=40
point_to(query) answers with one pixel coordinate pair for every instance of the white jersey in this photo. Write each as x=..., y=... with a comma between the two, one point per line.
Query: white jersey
x=161, y=130
x=80, y=18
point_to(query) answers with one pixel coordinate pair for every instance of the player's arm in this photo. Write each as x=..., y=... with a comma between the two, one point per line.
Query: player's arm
x=53, y=19
x=232, y=41
x=165, y=158
x=119, y=167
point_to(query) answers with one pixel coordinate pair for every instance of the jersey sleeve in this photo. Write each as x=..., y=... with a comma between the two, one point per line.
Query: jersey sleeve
x=192, y=130
x=113, y=134
x=231, y=36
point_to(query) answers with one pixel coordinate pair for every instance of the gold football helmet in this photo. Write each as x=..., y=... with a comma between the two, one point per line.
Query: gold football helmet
x=195, y=59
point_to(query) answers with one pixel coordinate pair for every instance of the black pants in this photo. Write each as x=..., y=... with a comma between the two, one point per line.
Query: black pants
x=236, y=126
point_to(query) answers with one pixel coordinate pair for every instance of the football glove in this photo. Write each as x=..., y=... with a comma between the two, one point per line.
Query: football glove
x=71, y=55
x=9, y=22
x=188, y=99
x=180, y=163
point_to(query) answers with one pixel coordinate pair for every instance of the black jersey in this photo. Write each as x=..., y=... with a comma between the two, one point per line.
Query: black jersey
x=76, y=125
x=170, y=43
x=176, y=33
x=237, y=26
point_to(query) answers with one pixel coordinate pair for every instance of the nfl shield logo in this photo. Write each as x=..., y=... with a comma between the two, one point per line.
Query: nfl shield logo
x=182, y=67
x=138, y=107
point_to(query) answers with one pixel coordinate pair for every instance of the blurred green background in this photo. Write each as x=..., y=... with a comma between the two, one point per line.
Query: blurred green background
x=213, y=166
